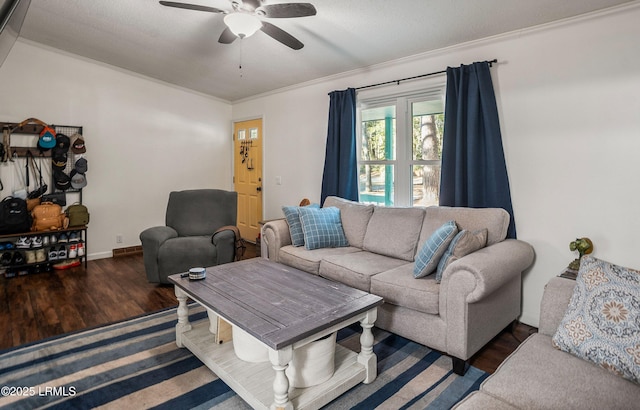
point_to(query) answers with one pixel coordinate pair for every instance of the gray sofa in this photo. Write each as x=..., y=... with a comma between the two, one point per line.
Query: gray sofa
x=479, y=294
x=539, y=376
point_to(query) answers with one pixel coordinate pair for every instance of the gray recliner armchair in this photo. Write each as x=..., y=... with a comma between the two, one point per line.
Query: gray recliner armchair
x=187, y=240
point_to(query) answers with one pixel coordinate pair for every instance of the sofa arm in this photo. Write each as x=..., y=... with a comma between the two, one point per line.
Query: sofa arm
x=555, y=299
x=151, y=239
x=490, y=267
x=480, y=295
x=275, y=235
x=225, y=243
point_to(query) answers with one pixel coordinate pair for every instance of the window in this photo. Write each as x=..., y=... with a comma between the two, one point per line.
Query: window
x=400, y=149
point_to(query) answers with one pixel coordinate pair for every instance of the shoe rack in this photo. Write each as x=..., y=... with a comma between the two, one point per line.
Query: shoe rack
x=43, y=251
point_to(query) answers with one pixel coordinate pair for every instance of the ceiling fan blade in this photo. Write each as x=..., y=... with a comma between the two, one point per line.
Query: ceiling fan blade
x=286, y=10
x=281, y=35
x=227, y=36
x=191, y=7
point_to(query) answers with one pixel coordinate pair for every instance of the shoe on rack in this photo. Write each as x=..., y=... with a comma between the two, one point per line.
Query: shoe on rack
x=5, y=259
x=67, y=264
x=53, y=254
x=41, y=255
x=36, y=242
x=74, y=237
x=63, y=238
x=53, y=239
x=46, y=241
x=30, y=256
x=8, y=245
x=24, y=242
x=17, y=259
x=62, y=252
x=81, y=249
x=73, y=251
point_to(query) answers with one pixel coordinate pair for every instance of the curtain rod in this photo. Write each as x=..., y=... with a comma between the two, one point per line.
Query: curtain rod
x=397, y=82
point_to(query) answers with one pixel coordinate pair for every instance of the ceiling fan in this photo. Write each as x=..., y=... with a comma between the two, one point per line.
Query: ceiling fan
x=245, y=19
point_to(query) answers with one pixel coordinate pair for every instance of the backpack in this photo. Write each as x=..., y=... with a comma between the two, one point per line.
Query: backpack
x=48, y=216
x=78, y=214
x=239, y=243
x=14, y=216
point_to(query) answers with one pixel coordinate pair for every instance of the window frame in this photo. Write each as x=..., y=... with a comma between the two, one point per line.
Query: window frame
x=403, y=162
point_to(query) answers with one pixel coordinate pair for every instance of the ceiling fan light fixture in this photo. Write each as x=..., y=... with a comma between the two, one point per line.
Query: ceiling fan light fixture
x=242, y=24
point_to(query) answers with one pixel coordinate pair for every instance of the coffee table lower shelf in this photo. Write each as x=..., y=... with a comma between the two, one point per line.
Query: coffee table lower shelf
x=254, y=381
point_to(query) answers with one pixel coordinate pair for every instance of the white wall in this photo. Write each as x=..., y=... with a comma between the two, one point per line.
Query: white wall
x=144, y=138
x=570, y=115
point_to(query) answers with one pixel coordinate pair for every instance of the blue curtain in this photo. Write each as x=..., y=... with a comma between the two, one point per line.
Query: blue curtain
x=474, y=172
x=340, y=177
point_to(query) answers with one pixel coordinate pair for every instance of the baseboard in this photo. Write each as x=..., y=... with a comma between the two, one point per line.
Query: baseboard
x=129, y=250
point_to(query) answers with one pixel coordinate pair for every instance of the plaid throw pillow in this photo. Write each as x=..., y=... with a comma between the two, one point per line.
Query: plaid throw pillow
x=322, y=228
x=433, y=249
x=295, y=226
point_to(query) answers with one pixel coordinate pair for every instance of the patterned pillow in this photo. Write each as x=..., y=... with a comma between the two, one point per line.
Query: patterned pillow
x=433, y=249
x=602, y=322
x=464, y=243
x=322, y=228
x=295, y=226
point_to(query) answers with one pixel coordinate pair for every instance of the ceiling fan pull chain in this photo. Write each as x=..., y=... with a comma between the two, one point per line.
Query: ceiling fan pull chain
x=240, y=65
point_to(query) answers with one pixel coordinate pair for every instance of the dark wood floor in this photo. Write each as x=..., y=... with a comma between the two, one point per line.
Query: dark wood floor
x=43, y=305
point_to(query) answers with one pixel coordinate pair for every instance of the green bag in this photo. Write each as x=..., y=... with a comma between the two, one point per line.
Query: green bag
x=78, y=215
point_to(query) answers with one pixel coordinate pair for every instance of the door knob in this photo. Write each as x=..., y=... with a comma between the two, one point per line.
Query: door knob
x=259, y=189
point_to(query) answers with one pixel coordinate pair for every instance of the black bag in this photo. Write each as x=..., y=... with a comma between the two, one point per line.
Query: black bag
x=59, y=198
x=14, y=216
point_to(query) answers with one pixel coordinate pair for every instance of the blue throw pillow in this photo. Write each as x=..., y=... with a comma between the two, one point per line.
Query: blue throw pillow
x=433, y=249
x=322, y=228
x=295, y=226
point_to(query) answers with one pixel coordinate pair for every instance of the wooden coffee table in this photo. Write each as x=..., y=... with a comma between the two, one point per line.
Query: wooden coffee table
x=284, y=309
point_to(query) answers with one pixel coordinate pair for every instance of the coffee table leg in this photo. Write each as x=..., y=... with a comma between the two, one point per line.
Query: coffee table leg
x=213, y=321
x=366, y=355
x=280, y=361
x=183, y=324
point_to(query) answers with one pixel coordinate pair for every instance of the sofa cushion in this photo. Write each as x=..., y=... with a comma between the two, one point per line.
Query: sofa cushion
x=394, y=232
x=356, y=269
x=495, y=220
x=399, y=287
x=309, y=261
x=480, y=400
x=464, y=243
x=322, y=228
x=433, y=249
x=292, y=215
x=602, y=321
x=355, y=218
x=539, y=376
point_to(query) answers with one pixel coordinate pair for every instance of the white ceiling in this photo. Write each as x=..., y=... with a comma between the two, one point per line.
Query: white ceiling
x=180, y=46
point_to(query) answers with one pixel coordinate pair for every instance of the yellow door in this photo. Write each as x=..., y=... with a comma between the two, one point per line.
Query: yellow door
x=248, y=176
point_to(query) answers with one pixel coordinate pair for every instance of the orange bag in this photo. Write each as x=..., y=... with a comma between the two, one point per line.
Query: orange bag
x=48, y=216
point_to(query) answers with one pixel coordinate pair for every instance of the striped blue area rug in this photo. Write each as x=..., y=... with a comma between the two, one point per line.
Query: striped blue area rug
x=136, y=364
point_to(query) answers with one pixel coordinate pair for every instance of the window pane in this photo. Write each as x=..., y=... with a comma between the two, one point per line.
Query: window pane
x=426, y=185
x=378, y=133
x=428, y=125
x=376, y=184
